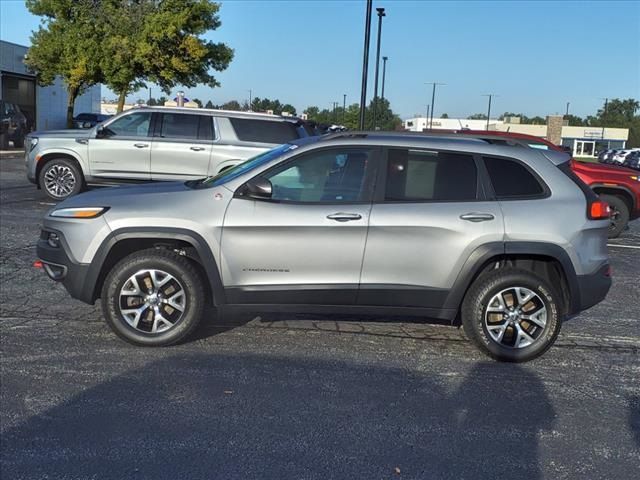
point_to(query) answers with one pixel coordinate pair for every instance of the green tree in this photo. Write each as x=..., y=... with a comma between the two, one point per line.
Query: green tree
x=289, y=108
x=444, y=115
x=198, y=101
x=620, y=114
x=477, y=116
x=152, y=102
x=67, y=44
x=574, y=121
x=159, y=41
x=161, y=100
x=537, y=120
x=209, y=104
x=385, y=118
x=233, y=105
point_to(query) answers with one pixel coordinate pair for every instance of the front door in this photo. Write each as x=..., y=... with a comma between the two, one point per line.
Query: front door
x=304, y=245
x=182, y=146
x=428, y=217
x=123, y=149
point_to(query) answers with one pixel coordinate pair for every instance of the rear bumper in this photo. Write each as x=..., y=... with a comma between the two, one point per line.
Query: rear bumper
x=593, y=288
x=61, y=268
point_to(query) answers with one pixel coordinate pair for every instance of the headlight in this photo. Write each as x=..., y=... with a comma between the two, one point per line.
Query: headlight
x=84, y=212
x=32, y=143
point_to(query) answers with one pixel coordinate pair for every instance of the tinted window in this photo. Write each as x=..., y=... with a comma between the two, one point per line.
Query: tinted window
x=417, y=175
x=132, y=125
x=180, y=126
x=86, y=117
x=325, y=176
x=512, y=179
x=264, y=131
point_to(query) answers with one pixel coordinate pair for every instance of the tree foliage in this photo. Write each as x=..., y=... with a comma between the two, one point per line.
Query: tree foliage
x=350, y=117
x=209, y=104
x=477, y=116
x=67, y=44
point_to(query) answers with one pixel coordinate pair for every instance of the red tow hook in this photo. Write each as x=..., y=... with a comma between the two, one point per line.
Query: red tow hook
x=38, y=264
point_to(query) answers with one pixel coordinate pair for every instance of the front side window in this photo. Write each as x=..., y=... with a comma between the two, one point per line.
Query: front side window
x=332, y=176
x=511, y=179
x=424, y=175
x=132, y=125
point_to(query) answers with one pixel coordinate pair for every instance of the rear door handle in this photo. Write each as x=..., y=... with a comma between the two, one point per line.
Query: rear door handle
x=196, y=149
x=141, y=145
x=344, y=217
x=477, y=217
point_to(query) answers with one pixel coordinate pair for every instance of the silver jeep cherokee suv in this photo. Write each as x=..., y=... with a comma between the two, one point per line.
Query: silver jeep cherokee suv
x=503, y=239
x=145, y=144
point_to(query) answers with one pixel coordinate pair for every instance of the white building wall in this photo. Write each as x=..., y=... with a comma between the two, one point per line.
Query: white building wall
x=418, y=124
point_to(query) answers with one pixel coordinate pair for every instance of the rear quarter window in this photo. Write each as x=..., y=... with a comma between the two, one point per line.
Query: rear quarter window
x=511, y=179
x=264, y=131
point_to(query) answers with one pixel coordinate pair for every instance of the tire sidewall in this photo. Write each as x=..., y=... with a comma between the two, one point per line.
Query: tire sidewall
x=77, y=188
x=551, y=329
x=194, y=299
x=623, y=211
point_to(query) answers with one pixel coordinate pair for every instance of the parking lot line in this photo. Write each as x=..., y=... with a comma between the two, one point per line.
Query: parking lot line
x=622, y=246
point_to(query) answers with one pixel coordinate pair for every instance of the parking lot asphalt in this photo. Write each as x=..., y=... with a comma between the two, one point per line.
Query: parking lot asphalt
x=304, y=397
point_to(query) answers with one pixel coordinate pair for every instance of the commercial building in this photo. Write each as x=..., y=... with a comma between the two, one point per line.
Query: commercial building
x=583, y=141
x=44, y=107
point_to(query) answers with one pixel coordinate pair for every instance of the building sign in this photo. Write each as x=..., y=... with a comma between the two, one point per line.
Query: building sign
x=593, y=133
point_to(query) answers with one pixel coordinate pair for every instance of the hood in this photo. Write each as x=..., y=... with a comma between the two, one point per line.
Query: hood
x=69, y=133
x=604, y=169
x=148, y=194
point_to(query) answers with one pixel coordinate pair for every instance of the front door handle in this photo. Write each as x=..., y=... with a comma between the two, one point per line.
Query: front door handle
x=141, y=145
x=477, y=217
x=344, y=217
x=196, y=149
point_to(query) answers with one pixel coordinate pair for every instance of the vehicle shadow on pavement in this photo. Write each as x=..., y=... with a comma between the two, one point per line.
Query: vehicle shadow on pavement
x=260, y=416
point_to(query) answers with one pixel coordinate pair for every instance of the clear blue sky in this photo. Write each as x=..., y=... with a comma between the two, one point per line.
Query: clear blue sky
x=535, y=55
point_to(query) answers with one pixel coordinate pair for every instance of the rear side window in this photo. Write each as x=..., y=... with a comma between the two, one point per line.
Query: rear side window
x=264, y=131
x=422, y=175
x=186, y=127
x=511, y=179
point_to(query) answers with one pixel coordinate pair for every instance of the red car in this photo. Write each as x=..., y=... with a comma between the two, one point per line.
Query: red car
x=618, y=186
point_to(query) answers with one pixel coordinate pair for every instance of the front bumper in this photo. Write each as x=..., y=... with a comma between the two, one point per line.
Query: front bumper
x=593, y=288
x=59, y=266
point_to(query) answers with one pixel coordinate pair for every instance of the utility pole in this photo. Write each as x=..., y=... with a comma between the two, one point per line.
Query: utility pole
x=433, y=100
x=149, y=97
x=384, y=71
x=490, y=95
x=604, y=117
x=365, y=63
x=427, y=119
x=344, y=106
x=567, y=114
x=250, y=100
x=375, y=83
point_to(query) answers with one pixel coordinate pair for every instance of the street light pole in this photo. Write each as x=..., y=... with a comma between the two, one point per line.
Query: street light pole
x=365, y=63
x=344, y=106
x=427, y=119
x=250, y=100
x=604, y=116
x=375, y=83
x=567, y=114
x=490, y=95
x=384, y=71
x=433, y=100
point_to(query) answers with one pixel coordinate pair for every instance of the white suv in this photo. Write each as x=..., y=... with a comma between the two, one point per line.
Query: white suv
x=146, y=144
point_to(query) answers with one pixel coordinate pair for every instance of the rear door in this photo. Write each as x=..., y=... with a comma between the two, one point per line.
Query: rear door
x=429, y=215
x=182, y=146
x=123, y=149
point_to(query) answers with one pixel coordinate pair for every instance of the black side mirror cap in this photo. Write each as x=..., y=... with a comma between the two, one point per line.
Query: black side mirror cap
x=259, y=188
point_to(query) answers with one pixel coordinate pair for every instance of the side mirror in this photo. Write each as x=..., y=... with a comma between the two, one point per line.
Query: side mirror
x=258, y=188
x=100, y=133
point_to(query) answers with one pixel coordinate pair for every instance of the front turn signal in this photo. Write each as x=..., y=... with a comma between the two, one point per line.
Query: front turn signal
x=84, y=212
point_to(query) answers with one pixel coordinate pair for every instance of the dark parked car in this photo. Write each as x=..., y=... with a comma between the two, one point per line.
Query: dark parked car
x=633, y=160
x=89, y=120
x=13, y=125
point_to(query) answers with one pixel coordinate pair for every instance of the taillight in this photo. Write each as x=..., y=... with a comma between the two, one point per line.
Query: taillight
x=599, y=210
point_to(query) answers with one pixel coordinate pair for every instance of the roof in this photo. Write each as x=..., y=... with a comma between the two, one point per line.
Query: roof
x=225, y=113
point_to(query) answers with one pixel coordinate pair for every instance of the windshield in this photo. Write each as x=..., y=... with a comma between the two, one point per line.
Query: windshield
x=241, y=168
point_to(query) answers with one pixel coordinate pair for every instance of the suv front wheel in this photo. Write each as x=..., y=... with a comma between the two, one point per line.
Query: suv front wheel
x=60, y=178
x=153, y=297
x=511, y=314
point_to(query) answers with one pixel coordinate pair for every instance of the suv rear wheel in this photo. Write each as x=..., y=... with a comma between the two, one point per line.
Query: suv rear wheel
x=60, y=178
x=619, y=214
x=511, y=314
x=153, y=297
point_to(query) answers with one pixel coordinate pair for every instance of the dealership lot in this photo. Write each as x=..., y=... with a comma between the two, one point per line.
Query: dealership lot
x=300, y=396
